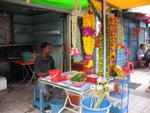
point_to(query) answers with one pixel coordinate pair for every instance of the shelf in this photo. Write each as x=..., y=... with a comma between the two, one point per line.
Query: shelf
x=23, y=24
x=121, y=80
x=55, y=32
x=116, y=109
x=124, y=109
x=119, y=96
x=23, y=33
x=6, y=45
x=56, y=44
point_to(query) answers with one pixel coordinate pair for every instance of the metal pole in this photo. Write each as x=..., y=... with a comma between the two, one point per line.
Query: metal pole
x=104, y=35
x=67, y=43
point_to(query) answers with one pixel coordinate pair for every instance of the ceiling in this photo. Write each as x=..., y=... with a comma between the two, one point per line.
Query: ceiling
x=20, y=9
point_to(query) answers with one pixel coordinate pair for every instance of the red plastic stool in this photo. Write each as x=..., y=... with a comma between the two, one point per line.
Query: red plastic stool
x=130, y=66
x=125, y=69
x=141, y=62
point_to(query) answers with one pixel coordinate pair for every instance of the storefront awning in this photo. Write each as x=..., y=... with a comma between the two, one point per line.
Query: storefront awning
x=125, y=4
x=69, y=4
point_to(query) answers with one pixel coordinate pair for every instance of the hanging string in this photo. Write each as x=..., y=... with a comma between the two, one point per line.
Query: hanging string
x=77, y=6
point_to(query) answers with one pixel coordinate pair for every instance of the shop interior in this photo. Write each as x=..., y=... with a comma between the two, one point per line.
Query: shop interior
x=24, y=28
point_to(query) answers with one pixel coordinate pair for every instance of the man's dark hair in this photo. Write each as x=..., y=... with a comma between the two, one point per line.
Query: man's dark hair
x=44, y=45
x=141, y=45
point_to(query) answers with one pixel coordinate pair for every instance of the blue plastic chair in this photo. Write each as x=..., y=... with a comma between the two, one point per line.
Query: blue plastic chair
x=39, y=102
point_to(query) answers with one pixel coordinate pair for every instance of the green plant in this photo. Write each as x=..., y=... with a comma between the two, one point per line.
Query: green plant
x=77, y=78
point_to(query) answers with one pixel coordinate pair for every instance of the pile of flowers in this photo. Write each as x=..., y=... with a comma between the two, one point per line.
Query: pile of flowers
x=88, y=33
x=100, y=91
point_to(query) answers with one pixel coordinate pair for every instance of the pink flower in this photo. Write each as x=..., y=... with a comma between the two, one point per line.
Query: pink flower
x=104, y=79
x=100, y=79
x=111, y=86
x=99, y=87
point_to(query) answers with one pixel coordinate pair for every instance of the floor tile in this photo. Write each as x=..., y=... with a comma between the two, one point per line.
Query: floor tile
x=14, y=111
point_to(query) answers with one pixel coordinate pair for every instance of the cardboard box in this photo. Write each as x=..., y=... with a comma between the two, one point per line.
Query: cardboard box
x=3, y=83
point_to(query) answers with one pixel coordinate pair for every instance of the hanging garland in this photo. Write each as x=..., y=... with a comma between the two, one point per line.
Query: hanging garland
x=101, y=48
x=77, y=9
x=107, y=46
x=113, y=21
x=88, y=38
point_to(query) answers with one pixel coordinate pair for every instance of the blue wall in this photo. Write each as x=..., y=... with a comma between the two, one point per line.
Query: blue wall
x=47, y=27
x=131, y=41
x=22, y=29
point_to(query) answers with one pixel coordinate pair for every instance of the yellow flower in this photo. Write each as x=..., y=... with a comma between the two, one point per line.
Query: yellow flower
x=90, y=64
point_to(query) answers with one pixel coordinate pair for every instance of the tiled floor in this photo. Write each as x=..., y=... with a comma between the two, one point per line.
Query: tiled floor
x=139, y=99
x=18, y=99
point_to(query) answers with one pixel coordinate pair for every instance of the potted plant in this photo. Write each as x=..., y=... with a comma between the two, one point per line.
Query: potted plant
x=97, y=102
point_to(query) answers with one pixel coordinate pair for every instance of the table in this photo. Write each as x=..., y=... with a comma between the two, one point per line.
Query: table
x=27, y=67
x=69, y=89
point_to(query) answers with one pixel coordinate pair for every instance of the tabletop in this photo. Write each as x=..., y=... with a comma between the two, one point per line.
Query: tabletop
x=67, y=85
x=21, y=62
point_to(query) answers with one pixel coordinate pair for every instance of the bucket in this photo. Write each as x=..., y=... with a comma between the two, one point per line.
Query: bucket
x=55, y=75
x=103, y=108
x=26, y=56
x=56, y=105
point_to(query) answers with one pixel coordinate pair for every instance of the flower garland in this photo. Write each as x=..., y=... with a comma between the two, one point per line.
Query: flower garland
x=113, y=21
x=107, y=46
x=101, y=48
x=88, y=33
x=74, y=29
x=77, y=9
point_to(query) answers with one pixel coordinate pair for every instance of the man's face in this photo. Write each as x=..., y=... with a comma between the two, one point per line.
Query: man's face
x=48, y=49
x=142, y=47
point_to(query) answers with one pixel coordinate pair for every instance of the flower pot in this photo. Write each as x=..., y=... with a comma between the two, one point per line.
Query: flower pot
x=103, y=108
x=75, y=100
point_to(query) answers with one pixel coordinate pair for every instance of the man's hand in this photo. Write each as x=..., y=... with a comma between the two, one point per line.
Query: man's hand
x=43, y=74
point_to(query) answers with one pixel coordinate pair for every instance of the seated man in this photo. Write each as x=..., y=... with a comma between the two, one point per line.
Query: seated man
x=42, y=65
x=147, y=57
x=141, y=52
x=148, y=89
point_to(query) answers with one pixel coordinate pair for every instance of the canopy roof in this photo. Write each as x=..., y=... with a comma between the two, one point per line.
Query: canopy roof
x=125, y=4
x=65, y=4
x=69, y=4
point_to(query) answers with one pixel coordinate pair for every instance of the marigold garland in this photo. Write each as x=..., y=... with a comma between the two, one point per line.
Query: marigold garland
x=113, y=21
x=107, y=47
x=88, y=33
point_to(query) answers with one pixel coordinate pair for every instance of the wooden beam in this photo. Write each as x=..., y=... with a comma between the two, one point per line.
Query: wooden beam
x=67, y=42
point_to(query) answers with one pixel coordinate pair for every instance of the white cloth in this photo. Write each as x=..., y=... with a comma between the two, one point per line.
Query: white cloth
x=140, y=54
